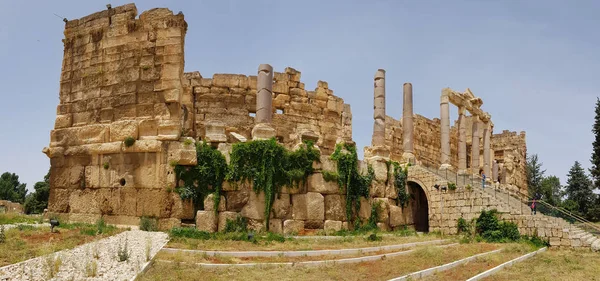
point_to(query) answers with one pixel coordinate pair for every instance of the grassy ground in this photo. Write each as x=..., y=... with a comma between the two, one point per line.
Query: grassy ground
x=564, y=265
x=27, y=242
x=481, y=264
x=11, y=218
x=422, y=258
x=201, y=258
x=292, y=244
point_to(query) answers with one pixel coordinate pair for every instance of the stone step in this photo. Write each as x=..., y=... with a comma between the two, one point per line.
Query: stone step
x=596, y=245
x=590, y=241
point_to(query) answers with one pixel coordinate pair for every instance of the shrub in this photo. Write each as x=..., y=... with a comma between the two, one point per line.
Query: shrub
x=53, y=263
x=100, y=225
x=239, y=224
x=24, y=227
x=129, y=141
x=329, y=176
x=148, y=223
x=373, y=237
x=451, y=186
x=106, y=165
x=510, y=231
x=187, y=232
x=463, y=226
x=493, y=230
x=187, y=142
x=2, y=235
x=123, y=252
x=91, y=269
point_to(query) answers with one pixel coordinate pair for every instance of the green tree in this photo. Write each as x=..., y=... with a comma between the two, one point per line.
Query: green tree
x=595, y=170
x=37, y=201
x=579, y=189
x=551, y=190
x=535, y=174
x=11, y=189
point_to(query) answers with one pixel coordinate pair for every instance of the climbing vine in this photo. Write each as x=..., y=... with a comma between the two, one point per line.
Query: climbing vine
x=269, y=166
x=400, y=176
x=349, y=178
x=204, y=178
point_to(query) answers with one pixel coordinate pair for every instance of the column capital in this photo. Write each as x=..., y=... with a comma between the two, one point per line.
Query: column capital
x=461, y=110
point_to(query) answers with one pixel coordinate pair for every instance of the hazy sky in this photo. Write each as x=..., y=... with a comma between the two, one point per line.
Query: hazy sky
x=532, y=62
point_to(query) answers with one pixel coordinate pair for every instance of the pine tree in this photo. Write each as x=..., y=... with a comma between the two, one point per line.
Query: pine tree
x=579, y=188
x=595, y=170
x=551, y=190
x=535, y=174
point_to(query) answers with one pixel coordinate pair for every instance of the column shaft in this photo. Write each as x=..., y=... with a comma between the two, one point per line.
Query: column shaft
x=486, y=150
x=475, y=146
x=378, y=138
x=407, y=121
x=264, y=94
x=462, y=141
x=445, y=129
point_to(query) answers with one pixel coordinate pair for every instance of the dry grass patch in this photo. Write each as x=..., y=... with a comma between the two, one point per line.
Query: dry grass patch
x=481, y=264
x=26, y=242
x=292, y=244
x=552, y=265
x=386, y=268
x=12, y=218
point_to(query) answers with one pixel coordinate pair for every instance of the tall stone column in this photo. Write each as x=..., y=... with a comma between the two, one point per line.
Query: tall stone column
x=475, y=146
x=407, y=124
x=462, y=141
x=495, y=171
x=379, y=106
x=264, y=94
x=264, y=100
x=487, y=165
x=445, y=129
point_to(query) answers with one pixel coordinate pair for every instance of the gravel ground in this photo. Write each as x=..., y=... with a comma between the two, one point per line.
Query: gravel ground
x=9, y=226
x=97, y=260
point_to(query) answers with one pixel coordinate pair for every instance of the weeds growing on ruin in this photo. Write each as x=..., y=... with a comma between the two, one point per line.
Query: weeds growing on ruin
x=53, y=263
x=399, y=181
x=239, y=224
x=148, y=248
x=205, y=178
x=123, y=252
x=329, y=176
x=2, y=235
x=187, y=142
x=106, y=165
x=451, y=186
x=269, y=167
x=129, y=141
x=148, y=223
x=349, y=178
x=91, y=269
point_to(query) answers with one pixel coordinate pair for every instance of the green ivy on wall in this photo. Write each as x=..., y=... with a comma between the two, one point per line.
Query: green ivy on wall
x=349, y=178
x=399, y=180
x=204, y=178
x=269, y=166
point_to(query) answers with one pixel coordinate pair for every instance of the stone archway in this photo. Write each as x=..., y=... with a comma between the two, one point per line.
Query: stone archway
x=418, y=206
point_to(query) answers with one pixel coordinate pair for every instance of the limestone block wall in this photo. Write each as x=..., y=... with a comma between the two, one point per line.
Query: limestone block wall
x=121, y=78
x=510, y=151
x=231, y=98
x=10, y=207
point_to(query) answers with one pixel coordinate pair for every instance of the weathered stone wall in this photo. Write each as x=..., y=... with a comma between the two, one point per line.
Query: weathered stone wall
x=510, y=151
x=10, y=207
x=121, y=78
x=231, y=99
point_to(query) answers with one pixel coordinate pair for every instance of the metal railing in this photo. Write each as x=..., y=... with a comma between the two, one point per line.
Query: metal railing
x=520, y=202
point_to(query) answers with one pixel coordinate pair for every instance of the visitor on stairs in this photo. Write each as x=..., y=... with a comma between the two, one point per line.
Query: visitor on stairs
x=533, y=207
x=483, y=181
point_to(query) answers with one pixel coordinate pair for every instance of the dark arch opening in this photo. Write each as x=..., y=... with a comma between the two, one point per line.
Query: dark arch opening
x=419, y=206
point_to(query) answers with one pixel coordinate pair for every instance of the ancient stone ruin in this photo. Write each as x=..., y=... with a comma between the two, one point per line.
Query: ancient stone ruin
x=128, y=114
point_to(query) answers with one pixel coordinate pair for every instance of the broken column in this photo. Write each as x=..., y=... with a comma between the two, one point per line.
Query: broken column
x=462, y=141
x=475, y=146
x=264, y=100
x=445, y=129
x=487, y=130
x=495, y=169
x=379, y=112
x=407, y=124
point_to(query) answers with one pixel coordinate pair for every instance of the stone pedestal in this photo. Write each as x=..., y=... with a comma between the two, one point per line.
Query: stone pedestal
x=263, y=131
x=215, y=132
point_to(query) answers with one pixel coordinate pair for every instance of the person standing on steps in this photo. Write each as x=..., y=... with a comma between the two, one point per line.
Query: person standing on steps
x=533, y=211
x=482, y=180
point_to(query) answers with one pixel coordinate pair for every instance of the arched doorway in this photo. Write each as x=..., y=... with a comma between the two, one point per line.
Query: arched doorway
x=419, y=206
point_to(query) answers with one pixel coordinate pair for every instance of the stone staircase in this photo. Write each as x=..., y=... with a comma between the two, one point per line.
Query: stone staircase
x=559, y=232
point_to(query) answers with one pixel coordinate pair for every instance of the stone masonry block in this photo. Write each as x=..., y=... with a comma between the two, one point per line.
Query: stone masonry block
x=120, y=130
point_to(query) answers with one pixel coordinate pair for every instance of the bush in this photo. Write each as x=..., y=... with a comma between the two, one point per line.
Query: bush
x=493, y=230
x=148, y=223
x=463, y=226
x=373, y=237
x=451, y=186
x=239, y=224
x=123, y=252
x=100, y=225
x=187, y=232
x=2, y=235
x=129, y=141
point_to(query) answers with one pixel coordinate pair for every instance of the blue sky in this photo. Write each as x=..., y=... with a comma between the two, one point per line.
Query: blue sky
x=532, y=62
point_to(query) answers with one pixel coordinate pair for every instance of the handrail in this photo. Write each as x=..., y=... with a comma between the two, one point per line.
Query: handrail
x=524, y=200
x=576, y=217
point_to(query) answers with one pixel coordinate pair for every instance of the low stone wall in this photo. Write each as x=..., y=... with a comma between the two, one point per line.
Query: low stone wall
x=10, y=207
